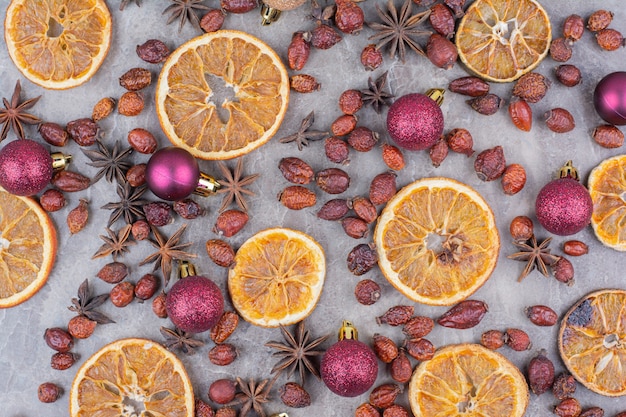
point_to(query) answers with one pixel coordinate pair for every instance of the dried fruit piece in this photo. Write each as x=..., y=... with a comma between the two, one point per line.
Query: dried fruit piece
x=238, y=6
x=564, y=386
x=130, y=104
x=293, y=394
x=142, y=141
x=490, y=164
x=295, y=170
x=521, y=228
x=220, y=252
x=568, y=407
x=53, y=133
x=561, y=49
x=324, y=37
x=146, y=287
x=349, y=17
x=135, y=79
x=438, y=152
x=385, y=349
x=456, y=6
x=442, y=20
x=343, y=124
x=62, y=360
x=513, y=179
x=213, y=20
x=541, y=315
x=382, y=188
x=469, y=86
x=366, y=410
x=158, y=213
x=540, y=373
x=531, y=87
x=230, y=222
x=113, y=272
x=304, y=83
x=140, y=230
x=461, y=141
x=334, y=209
x=223, y=354
x=367, y=292
x=77, y=218
x=418, y=327
x=393, y=157
x=396, y=315
x=222, y=391
x=299, y=50
x=350, y=101
x=464, y=315
x=355, y=227
x=70, y=181
x=102, y=109
x=384, y=395
x=492, y=339
x=608, y=136
x=563, y=271
x=122, y=294
x=568, y=75
x=224, y=327
x=517, y=339
x=52, y=200
x=521, y=114
x=573, y=27
x=81, y=327
x=396, y=410
x=83, y=131
x=371, y=57
x=332, y=180
x=58, y=339
x=153, y=51
x=362, y=258
x=598, y=20
x=188, y=209
x=362, y=139
x=487, y=105
x=337, y=150
x=575, y=248
x=158, y=306
x=297, y=197
x=441, y=52
x=421, y=349
x=48, y=392
x=400, y=368
x=593, y=412
x=364, y=209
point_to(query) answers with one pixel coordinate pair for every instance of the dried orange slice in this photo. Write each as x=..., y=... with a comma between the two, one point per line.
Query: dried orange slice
x=251, y=80
x=58, y=44
x=437, y=241
x=277, y=277
x=468, y=380
x=501, y=40
x=592, y=342
x=607, y=187
x=28, y=246
x=135, y=377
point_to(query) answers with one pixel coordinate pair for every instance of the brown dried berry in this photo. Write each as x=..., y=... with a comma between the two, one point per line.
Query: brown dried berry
x=367, y=292
x=384, y=348
x=487, y=105
x=62, y=360
x=393, y=157
x=332, y=180
x=334, y=209
x=441, y=51
x=299, y=50
x=343, y=124
x=517, y=339
x=438, y=152
x=364, y=209
x=362, y=139
x=608, y=136
x=58, y=339
x=113, y=272
x=609, y=39
x=131, y=103
x=355, y=227
x=238, y=6
x=521, y=228
x=464, y=315
x=136, y=175
x=418, y=327
x=366, y=410
x=396, y=315
x=158, y=213
x=77, y=217
x=146, y=287
x=70, y=181
x=350, y=101
x=461, y=141
x=540, y=373
x=140, y=230
x=442, y=20
x=142, y=141
x=598, y=20
x=295, y=170
x=362, y=258
x=384, y=395
x=622, y=414
x=153, y=51
x=53, y=133
x=575, y=248
x=223, y=354
x=337, y=150
x=220, y=252
x=564, y=386
x=81, y=327
x=226, y=412
x=382, y=188
x=225, y=326
x=158, y=306
x=297, y=197
x=573, y=27
x=371, y=57
x=212, y=20
x=48, y=392
x=135, y=79
x=83, y=131
x=324, y=37
x=561, y=49
x=294, y=395
x=421, y=349
x=568, y=75
x=456, y=6
x=52, y=200
x=400, y=368
x=531, y=87
x=513, y=179
x=222, y=391
x=469, y=86
x=563, y=271
x=122, y=294
x=230, y=222
x=568, y=407
x=396, y=410
x=541, y=315
x=188, y=209
x=521, y=114
x=593, y=412
x=492, y=339
x=490, y=164
x=304, y=83
x=202, y=409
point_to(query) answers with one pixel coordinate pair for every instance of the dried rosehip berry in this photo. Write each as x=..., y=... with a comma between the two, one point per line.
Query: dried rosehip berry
x=299, y=50
x=608, y=136
x=564, y=386
x=487, y=105
x=140, y=230
x=202, y=409
x=517, y=339
x=362, y=258
x=158, y=305
x=396, y=315
x=490, y=164
x=366, y=410
x=343, y=124
x=418, y=327
x=62, y=360
x=295, y=170
x=324, y=37
x=464, y=315
x=58, y=339
x=421, y=349
x=77, y=217
x=81, y=327
x=70, y=181
x=136, y=175
x=350, y=101
x=492, y=339
x=598, y=20
x=52, y=200
x=225, y=327
x=382, y=188
x=367, y=292
x=220, y=252
x=130, y=104
x=146, y=287
x=337, y=150
x=456, y=6
x=142, y=141
x=384, y=348
x=563, y=271
x=226, y=412
x=568, y=75
x=349, y=17
x=400, y=368
x=153, y=51
x=122, y=294
x=135, y=79
x=568, y=407
x=385, y=395
x=294, y=395
x=223, y=354
x=531, y=87
x=461, y=141
x=541, y=315
x=521, y=114
x=441, y=51
x=513, y=179
x=53, y=133
x=593, y=412
x=575, y=248
x=561, y=49
x=332, y=180
x=230, y=222
x=222, y=391
x=297, y=197
x=364, y=209
x=83, y=131
x=158, y=213
x=304, y=83
x=393, y=157
x=48, y=392
x=609, y=39
x=540, y=373
x=238, y=6
x=371, y=57
x=212, y=20
x=438, y=152
x=469, y=86
x=396, y=410
x=113, y=272
x=188, y=209
x=362, y=139
x=442, y=20
x=354, y=227
x=521, y=228
x=573, y=27
x=334, y=209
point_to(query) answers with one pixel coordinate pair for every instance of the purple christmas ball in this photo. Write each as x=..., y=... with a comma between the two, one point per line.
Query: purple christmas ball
x=609, y=98
x=172, y=173
x=194, y=304
x=25, y=167
x=415, y=122
x=564, y=207
x=349, y=368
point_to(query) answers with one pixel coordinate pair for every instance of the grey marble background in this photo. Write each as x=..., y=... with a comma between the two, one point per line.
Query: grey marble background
x=25, y=358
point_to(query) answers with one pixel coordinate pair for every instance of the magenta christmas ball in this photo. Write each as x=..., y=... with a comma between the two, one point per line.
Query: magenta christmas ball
x=564, y=207
x=609, y=98
x=194, y=304
x=25, y=167
x=172, y=173
x=349, y=368
x=415, y=122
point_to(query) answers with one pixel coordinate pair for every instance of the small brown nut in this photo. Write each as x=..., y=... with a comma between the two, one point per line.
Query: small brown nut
x=541, y=315
x=225, y=327
x=238, y=6
x=188, y=209
x=563, y=271
x=77, y=217
x=364, y=209
x=441, y=51
x=212, y=20
x=420, y=349
x=461, y=141
x=487, y=105
x=349, y=17
x=561, y=49
x=469, y=86
x=153, y=51
x=382, y=188
x=334, y=209
x=140, y=230
x=384, y=395
x=362, y=258
x=113, y=272
x=337, y=150
x=135, y=79
x=222, y=391
x=598, y=20
x=122, y=294
x=610, y=39
x=299, y=50
x=58, y=339
x=223, y=354
x=350, y=101
x=492, y=339
x=384, y=348
x=294, y=395
x=297, y=197
x=220, y=252
x=521, y=114
x=83, y=131
x=464, y=315
x=48, y=392
x=362, y=139
x=521, y=228
x=513, y=179
x=400, y=369
x=564, y=386
x=52, y=200
x=575, y=248
x=304, y=83
x=517, y=339
x=355, y=227
x=573, y=27
x=146, y=287
x=343, y=124
x=142, y=141
x=136, y=175
x=438, y=152
x=593, y=412
x=230, y=222
x=568, y=407
x=158, y=306
x=81, y=327
x=531, y=87
x=371, y=57
x=295, y=170
x=366, y=410
x=396, y=410
x=332, y=180
x=442, y=20
x=53, y=133
x=490, y=164
x=418, y=327
x=393, y=157
x=131, y=103
x=367, y=292
x=70, y=181
x=396, y=315
x=568, y=75
x=158, y=213
x=62, y=360
x=608, y=136
x=540, y=373
x=324, y=37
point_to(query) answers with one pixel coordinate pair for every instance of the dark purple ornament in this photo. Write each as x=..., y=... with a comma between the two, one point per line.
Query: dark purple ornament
x=609, y=98
x=194, y=304
x=415, y=121
x=25, y=167
x=172, y=173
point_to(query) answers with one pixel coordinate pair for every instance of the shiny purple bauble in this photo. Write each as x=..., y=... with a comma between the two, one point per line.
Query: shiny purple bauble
x=25, y=167
x=172, y=173
x=564, y=207
x=194, y=304
x=349, y=368
x=609, y=98
x=415, y=122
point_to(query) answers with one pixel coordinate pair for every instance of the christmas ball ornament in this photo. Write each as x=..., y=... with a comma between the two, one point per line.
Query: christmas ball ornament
x=194, y=303
x=270, y=9
x=564, y=206
x=609, y=98
x=349, y=367
x=173, y=174
x=415, y=121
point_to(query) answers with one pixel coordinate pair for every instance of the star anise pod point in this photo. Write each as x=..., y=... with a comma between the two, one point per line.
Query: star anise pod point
x=536, y=255
x=14, y=114
x=304, y=135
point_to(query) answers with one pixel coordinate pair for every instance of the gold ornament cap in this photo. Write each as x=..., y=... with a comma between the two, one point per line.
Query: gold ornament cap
x=436, y=94
x=207, y=185
x=186, y=269
x=60, y=161
x=568, y=171
x=348, y=331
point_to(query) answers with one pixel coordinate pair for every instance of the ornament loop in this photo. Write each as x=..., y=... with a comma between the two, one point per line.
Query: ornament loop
x=269, y=14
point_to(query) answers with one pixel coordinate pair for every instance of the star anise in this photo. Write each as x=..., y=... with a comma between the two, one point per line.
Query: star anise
x=304, y=135
x=130, y=204
x=536, y=255
x=322, y=15
x=234, y=185
x=297, y=352
x=168, y=251
x=125, y=3
x=185, y=10
x=14, y=113
x=375, y=95
x=399, y=30
x=116, y=244
x=85, y=304
x=252, y=396
x=112, y=163
x=178, y=339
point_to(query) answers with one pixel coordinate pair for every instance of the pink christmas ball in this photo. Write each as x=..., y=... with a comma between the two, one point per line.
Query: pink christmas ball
x=25, y=167
x=609, y=98
x=415, y=122
x=564, y=207
x=172, y=173
x=349, y=368
x=194, y=304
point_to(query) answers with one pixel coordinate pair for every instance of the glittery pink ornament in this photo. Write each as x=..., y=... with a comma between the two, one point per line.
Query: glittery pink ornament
x=25, y=167
x=609, y=98
x=564, y=206
x=415, y=121
x=172, y=173
x=349, y=367
x=194, y=304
